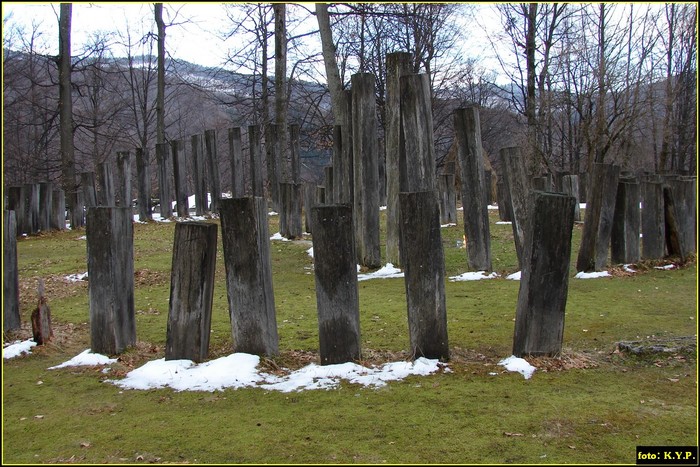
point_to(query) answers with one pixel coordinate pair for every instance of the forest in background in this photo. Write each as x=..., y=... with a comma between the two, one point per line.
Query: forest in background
x=578, y=84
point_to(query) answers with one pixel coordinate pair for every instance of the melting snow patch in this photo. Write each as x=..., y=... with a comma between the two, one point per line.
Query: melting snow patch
x=515, y=276
x=17, y=348
x=86, y=358
x=473, y=276
x=591, y=275
x=82, y=276
x=520, y=365
x=386, y=272
x=278, y=236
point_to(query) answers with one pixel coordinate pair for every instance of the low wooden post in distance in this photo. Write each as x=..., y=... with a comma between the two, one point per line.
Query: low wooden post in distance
x=246, y=242
x=335, y=270
x=424, y=273
x=191, y=291
x=41, y=318
x=539, y=316
x=290, y=210
x=110, y=258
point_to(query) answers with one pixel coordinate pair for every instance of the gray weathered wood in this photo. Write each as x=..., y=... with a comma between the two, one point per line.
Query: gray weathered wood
x=105, y=185
x=41, y=318
x=570, y=186
x=417, y=148
x=335, y=272
x=87, y=182
x=246, y=243
x=10, y=274
x=598, y=220
x=191, y=291
x=199, y=175
x=652, y=218
x=110, y=261
x=212, y=164
x=143, y=182
x=76, y=208
x=45, y=205
x=123, y=190
x=624, y=238
x=424, y=274
x=684, y=194
x=366, y=171
x=674, y=245
x=290, y=210
x=475, y=206
x=447, y=198
x=320, y=195
x=164, y=173
x=517, y=183
x=309, y=203
x=256, y=164
x=182, y=204
x=343, y=172
x=328, y=183
x=544, y=282
x=58, y=210
x=503, y=200
x=272, y=151
x=294, y=152
x=235, y=144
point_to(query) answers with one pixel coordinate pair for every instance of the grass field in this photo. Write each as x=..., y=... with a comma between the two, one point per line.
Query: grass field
x=592, y=404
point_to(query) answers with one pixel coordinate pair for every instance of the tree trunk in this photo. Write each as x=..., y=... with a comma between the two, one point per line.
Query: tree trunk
x=65, y=105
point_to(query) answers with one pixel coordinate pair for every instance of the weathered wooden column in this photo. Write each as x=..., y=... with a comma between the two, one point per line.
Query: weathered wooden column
x=199, y=176
x=10, y=274
x=235, y=147
x=328, y=183
x=475, y=206
x=182, y=203
x=15, y=202
x=365, y=154
x=335, y=271
x=41, y=318
x=45, y=206
x=516, y=183
x=570, y=186
x=164, y=187
x=309, y=202
x=58, y=210
x=684, y=190
x=246, y=242
x=597, y=223
x=397, y=65
x=290, y=210
x=272, y=151
x=488, y=187
x=191, y=291
x=77, y=209
x=87, y=182
x=343, y=153
x=539, y=316
x=110, y=260
x=256, y=165
x=424, y=274
x=624, y=238
x=124, y=176
x=652, y=218
x=143, y=181
x=447, y=198
x=212, y=164
x=320, y=194
x=105, y=183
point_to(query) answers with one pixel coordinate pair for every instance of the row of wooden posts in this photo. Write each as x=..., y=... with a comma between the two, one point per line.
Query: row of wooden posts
x=346, y=231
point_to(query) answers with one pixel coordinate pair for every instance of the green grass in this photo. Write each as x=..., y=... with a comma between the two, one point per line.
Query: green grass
x=590, y=405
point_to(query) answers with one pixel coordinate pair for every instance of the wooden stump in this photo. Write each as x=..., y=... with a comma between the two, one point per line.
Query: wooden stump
x=10, y=274
x=335, y=271
x=110, y=258
x=191, y=291
x=539, y=319
x=246, y=242
x=598, y=221
x=41, y=319
x=424, y=273
x=624, y=238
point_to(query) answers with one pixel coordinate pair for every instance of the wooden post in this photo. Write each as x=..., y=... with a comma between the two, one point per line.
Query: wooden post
x=624, y=238
x=191, y=291
x=539, y=316
x=290, y=210
x=41, y=319
x=256, y=175
x=212, y=165
x=397, y=65
x=246, y=242
x=235, y=144
x=77, y=210
x=447, y=199
x=343, y=172
x=123, y=191
x=309, y=203
x=335, y=271
x=366, y=172
x=10, y=274
x=87, y=180
x=320, y=195
x=143, y=181
x=684, y=196
x=164, y=168
x=570, y=186
x=182, y=204
x=381, y=171
x=295, y=152
x=45, y=205
x=488, y=187
x=653, y=223
x=475, y=206
x=517, y=183
x=105, y=183
x=597, y=223
x=424, y=273
x=328, y=175
x=198, y=176
x=58, y=210
x=110, y=261
x=583, y=187
x=504, y=203
x=271, y=157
